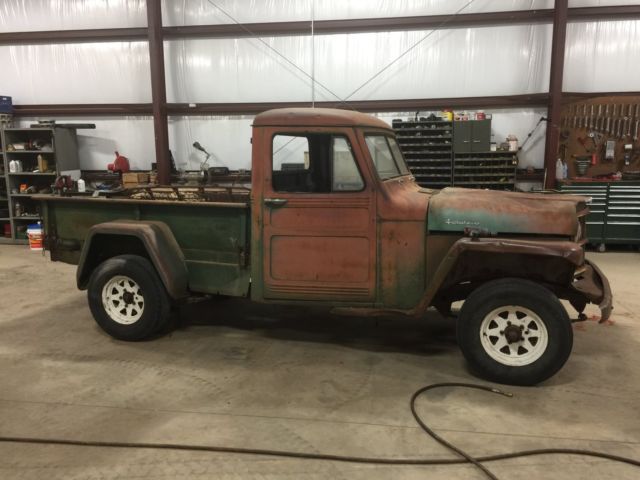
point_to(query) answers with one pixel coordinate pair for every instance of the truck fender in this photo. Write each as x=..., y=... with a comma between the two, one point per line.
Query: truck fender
x=553, y=262
x=147, y=238
x=549, y=261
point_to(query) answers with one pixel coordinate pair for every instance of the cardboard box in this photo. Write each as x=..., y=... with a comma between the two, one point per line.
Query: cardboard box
x=133, y=179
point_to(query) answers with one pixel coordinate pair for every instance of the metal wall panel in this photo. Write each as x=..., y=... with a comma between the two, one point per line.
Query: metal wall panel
x=131, y=136
x=34, y=15
x=201, y=12
x=227, y=138
x=116, y=72
x=602, y=57
x=488, y=61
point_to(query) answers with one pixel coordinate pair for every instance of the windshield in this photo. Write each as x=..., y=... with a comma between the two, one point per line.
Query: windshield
x=386, y=156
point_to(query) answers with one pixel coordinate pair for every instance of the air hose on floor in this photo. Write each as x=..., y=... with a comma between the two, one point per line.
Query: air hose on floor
x=464, y=457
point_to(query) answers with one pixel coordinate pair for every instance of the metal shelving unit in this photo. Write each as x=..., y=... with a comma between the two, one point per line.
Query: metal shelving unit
x=5, y=209
x=58, y=146
x=495, y=170
x=427, y=148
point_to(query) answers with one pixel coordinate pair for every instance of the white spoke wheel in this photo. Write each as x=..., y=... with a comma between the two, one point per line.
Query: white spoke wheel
x=514, y=336
x=127, y=298
x=123, y=300
x=514, y=331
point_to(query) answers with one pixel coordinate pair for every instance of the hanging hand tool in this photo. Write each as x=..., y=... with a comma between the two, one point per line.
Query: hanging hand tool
x=610, y=148
x=575, y=115
x=599, y=119
x=596, y=138
x=635, y=129
x=628, y=149
x=579, y=115
x=620, y=127
x=592, y=118
x=584, y=140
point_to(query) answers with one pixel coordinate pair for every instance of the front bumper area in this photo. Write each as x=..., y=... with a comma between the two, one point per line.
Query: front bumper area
x=594, y=287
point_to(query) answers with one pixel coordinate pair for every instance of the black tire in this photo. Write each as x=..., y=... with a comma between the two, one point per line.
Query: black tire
x=486, y=360
x=155, y=309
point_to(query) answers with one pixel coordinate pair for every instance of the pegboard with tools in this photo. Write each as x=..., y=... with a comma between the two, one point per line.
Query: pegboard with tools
x=599, y=138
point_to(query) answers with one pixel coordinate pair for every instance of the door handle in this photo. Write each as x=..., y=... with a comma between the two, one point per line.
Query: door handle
x=275, y=202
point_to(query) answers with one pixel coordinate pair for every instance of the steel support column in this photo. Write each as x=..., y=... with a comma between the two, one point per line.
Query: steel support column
x=158, y=90
x=555, y=90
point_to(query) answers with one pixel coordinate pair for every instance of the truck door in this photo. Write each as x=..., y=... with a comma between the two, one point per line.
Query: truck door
x=319, y=233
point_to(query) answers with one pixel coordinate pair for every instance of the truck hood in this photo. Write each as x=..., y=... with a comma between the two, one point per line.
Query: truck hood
x=454, y=209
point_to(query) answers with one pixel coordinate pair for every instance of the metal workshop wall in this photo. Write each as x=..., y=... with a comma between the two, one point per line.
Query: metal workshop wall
x=34, y=15
x=131, y=136
x=602, y=57
x=112, y=72
x=450, y=63
x=227, y=138
x=201, y=12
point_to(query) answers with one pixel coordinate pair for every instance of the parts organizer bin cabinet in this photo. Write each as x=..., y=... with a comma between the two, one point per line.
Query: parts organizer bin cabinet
x=58, y=146
x=495, y=170
x=426, y=146
x=441, y=153
x=472, y=136
x=614, y=215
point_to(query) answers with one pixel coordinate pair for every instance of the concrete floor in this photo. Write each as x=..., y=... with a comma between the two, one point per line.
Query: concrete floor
x=247, y=375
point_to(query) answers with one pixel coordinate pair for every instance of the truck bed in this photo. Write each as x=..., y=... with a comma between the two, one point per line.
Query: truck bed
x=213, y=235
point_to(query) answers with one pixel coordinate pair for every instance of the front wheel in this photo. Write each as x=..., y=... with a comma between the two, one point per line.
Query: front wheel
x=127, y=298
x=515, y=332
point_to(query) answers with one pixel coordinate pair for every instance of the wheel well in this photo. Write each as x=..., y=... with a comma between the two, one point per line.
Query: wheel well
x=105, y=246
x=474, y=269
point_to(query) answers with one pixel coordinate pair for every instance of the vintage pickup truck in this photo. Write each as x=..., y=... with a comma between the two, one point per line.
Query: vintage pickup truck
x=333, y=217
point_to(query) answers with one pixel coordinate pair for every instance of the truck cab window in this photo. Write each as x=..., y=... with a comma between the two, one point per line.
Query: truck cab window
x=314, y=163
x=386, y=156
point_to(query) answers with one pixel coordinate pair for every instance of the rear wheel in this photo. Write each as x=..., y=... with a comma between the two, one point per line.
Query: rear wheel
x=127, y=298
x=514, y=331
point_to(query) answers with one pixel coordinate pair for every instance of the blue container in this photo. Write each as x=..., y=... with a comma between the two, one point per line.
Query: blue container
x=6, y=106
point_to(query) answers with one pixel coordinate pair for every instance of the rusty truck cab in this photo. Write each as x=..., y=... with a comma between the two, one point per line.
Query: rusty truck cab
x=336, y=215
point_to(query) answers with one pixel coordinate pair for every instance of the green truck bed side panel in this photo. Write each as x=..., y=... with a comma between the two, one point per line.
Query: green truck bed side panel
x=214, y=238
